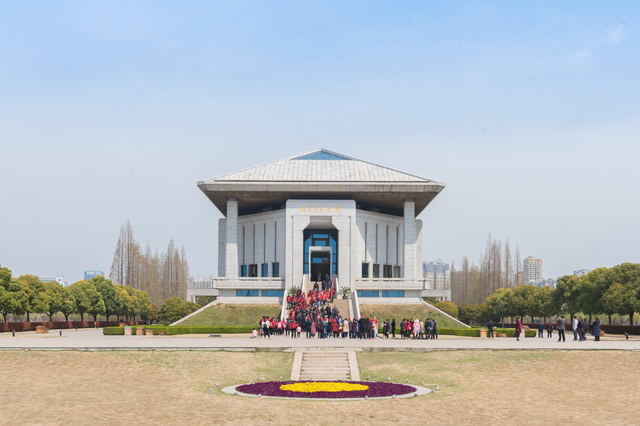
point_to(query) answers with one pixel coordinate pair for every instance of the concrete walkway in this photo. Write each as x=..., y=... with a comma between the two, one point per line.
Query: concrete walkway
x=88, y=339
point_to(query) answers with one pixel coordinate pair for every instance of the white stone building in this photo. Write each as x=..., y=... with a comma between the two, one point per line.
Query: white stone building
x=292, y=221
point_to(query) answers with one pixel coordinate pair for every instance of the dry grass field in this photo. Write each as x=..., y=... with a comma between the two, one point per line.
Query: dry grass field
x=499, y=387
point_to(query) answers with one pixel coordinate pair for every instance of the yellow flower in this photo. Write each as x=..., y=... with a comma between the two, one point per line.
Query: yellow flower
x=311, y=387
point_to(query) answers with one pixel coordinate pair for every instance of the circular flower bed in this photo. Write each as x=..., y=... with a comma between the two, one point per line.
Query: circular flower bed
x=322, y=389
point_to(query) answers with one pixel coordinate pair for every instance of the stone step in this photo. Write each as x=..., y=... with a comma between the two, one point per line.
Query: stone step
x=311, y=370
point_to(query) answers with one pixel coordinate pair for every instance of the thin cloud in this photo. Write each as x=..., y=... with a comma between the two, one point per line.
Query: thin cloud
x=616, y=35
x=583, y=54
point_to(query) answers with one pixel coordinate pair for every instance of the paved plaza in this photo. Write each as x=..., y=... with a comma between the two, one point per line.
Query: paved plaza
x=88, y=339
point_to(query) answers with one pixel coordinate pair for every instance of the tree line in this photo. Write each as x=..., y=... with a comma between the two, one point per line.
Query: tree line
x=603, y=291
x=27, y=295
x=498, y=268
x=161, y=275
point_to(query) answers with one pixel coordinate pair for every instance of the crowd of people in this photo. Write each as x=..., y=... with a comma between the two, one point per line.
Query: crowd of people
x=578, y=325
x=312, y=314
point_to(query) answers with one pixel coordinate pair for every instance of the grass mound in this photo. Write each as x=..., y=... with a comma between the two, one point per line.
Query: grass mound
x=232, y=315
x=422, y=312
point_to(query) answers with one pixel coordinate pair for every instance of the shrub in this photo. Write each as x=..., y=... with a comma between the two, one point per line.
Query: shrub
x=448, y=307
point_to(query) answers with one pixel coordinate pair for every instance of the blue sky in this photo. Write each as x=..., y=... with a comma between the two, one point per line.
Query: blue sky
x=109, y=111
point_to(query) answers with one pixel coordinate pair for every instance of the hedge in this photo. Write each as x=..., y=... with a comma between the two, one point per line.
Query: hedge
x=175, y=330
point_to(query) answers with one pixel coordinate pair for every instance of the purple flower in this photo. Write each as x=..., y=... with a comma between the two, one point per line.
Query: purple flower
x=376, y=389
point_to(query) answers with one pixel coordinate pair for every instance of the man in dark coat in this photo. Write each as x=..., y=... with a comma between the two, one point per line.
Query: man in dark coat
x=490, y=328
x=393, y=328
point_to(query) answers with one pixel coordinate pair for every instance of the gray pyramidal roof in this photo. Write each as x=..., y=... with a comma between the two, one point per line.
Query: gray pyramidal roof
x=320, y=166
x=320, y=174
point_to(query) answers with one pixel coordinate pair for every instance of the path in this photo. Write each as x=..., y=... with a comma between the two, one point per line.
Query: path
x=91, y=338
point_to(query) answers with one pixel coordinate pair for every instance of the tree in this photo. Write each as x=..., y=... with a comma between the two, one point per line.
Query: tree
x=628, y=276
x=51, y=298
x=68, y=304
x=565, y=296
x=174, y=308
x=31, y=286
x=87, y=298
x=12, y=297
x=109, y=295
x=498, y=303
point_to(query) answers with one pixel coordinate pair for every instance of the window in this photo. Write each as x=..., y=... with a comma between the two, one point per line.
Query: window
x=365, y=270
x=243, y=270
x=367, y=293
x=396, y=271
x=265, y=269
x=387, y=271
x=253, y=270
x=392, y=293
x=275, y=269
x=376, y=270
x=272, y=293
x=246, y=293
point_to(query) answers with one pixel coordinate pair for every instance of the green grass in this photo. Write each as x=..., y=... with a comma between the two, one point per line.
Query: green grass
x=233, y=315
x=422, y=312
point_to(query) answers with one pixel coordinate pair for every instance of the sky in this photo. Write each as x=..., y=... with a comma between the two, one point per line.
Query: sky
x=113, y=111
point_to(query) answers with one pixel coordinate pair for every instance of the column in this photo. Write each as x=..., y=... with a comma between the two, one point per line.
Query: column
x=231, y=257
x=409, y=225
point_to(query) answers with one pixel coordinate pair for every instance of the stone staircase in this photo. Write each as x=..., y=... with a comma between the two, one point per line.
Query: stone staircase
x=324, y=365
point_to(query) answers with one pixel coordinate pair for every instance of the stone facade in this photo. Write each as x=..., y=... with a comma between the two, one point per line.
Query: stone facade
x=376, y=249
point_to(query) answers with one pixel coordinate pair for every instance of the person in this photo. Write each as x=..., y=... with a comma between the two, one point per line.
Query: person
x=583, y=329
x=595, y=330
x=574, y=327
x=416, y=328
x=560, y=324
x=402, y=328
x=549, y=329
x=254, y=333
x=434, y=329
x=579, y=329
x=490, y=329
x=518, y=328
x=345, y=328
x=393, y=328
x=541, y=330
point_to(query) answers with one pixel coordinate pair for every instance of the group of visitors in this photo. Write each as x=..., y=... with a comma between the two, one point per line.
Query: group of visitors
x=416, y=329
x=579, y=327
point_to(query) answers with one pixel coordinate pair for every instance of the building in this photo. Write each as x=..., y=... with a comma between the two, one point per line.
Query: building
x=291, y=222
x=437, y=275
x=59, y=280
x=92, y=274
x=581, y=272
x=549, y=282
x=532, y=270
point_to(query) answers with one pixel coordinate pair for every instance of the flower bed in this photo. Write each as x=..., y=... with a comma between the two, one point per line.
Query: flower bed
x=322, y=389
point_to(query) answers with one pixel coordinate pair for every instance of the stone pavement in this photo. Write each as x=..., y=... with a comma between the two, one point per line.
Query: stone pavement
x=89, y=339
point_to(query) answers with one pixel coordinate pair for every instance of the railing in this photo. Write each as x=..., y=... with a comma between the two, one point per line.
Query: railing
x=268, y=283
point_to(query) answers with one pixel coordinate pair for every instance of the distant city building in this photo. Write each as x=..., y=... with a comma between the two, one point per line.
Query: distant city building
x=59, y=280
x=92, y=274
x=549, y=282
x=532, y=270
x=581, y=272
x=437, y=275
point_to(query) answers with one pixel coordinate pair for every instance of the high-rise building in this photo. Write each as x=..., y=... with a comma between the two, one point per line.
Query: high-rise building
x=532, y=270
x=581, y=272
x=437, y=275
x=92, y=274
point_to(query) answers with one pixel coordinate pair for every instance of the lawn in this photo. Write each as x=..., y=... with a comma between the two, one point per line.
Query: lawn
x=476, y=387
x=422, y=312
x=232, y=314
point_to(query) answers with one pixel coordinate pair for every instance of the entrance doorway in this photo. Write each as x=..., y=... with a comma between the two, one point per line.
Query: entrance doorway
x=320, y=265
x=320, y=253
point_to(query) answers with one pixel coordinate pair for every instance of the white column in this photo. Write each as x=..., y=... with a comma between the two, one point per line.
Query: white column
x=409, y=225
x=231, y=258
